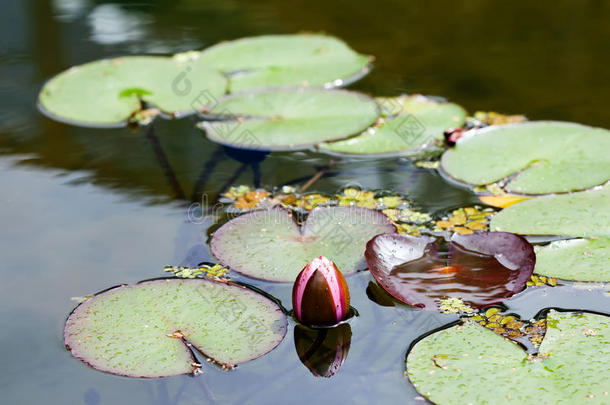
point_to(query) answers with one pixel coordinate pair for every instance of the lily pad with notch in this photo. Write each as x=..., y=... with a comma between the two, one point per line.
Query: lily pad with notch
x=471, y=364
x=411, y=124
x=481, y=269
x=579, y=214
x=288, y=118
x=537, y=157
x=147, y=329
x=270, y=244
x=287, y=60
x=107, y=92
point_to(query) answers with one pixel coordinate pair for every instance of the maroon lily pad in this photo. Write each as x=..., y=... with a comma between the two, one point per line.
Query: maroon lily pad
x=482, y=269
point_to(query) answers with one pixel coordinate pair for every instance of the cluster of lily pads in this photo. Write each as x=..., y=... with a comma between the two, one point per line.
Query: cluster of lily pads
x=544, y=178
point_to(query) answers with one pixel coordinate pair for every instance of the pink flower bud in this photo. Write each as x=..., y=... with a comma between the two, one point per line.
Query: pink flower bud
x=320, y=295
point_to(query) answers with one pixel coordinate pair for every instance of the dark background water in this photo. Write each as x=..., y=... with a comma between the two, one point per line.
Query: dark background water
x=84, y=209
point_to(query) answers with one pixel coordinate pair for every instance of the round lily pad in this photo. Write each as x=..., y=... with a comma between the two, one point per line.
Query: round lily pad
x=411, y=123
x=108, y=92
x=575, y=259
x=480, y=269
x=583, y=214
x=270, y=245
x=289, y=118
x=142, y=330
x=544, y=157
x=287, y=60
x=471, y=364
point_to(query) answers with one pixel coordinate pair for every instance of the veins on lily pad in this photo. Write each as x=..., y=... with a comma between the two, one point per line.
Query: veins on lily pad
x=148, y=329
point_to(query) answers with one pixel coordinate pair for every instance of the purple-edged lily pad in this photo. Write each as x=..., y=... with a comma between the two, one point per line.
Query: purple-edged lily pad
x=148, y=329
x=481, y=269
x=270, y=244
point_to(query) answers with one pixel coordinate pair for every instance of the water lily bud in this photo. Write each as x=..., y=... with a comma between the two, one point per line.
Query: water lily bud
x=320, y=295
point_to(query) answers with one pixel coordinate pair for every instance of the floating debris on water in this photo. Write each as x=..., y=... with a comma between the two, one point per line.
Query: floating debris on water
x=466, y=220
x=396, y=207
x=454, y=305
x=216, y=271
x=511, y=326
x=486, y=118
x=541, y=281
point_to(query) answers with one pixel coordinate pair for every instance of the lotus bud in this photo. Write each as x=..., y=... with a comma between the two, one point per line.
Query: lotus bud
x=323, y=351
x=320, y=295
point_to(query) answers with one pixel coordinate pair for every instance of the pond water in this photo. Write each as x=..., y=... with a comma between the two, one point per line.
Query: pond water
x=84, y=209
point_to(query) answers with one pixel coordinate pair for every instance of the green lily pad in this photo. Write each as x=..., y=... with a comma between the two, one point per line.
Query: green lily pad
x=411, y=124
x=287, y=60
x=270, y=245
x=142, y=330
x=108, y=92
x=471, y=364
x=575, y=259
x=545, y=157
x=289, y=118
x=583, y=214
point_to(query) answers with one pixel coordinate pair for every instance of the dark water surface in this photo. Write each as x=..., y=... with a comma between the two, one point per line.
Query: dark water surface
x=85, y=209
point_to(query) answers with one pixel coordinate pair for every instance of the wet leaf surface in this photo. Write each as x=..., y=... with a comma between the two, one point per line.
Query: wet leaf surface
x=543, y=156
x=409, y=124
x=287, y=60
x=148, y=329
x=480, y=269
x=471, y=364
x=110, y=91
x=270, y=244
x=583, y=214
x=575, y=259
x=288, y=118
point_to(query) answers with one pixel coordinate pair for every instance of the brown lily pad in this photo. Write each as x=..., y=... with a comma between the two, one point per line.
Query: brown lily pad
x=481, y=269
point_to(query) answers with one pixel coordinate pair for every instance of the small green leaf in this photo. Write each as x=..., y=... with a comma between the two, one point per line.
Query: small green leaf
x=134, y=91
